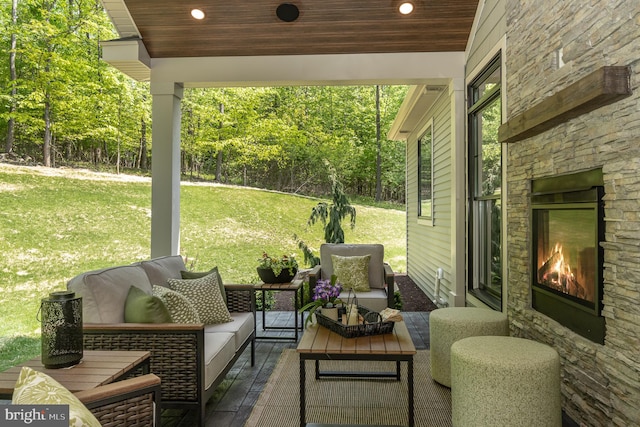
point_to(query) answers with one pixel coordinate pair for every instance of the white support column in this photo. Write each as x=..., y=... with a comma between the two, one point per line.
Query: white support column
x=457, y=295
x=165, y=169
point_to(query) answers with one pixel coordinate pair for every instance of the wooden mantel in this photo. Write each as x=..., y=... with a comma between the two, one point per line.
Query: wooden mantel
x=603, y=86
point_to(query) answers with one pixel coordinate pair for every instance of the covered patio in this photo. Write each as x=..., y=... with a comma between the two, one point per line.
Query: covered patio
x=331, y=43
x=527, y=56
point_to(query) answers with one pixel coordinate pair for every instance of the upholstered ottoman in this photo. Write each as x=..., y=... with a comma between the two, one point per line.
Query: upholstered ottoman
x=448, y=325
x=505, y=381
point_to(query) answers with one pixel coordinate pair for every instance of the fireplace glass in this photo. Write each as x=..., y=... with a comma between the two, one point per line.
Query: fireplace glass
x=565, y=252
x=567, y=228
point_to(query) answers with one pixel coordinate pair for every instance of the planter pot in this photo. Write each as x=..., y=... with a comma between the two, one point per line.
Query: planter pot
x=267, y=276
x=331, y=313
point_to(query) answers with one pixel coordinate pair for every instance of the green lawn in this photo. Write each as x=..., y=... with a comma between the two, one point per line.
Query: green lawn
x=55, y=224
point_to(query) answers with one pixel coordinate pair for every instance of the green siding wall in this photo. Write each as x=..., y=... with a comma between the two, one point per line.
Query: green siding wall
x=429, y=246
x=491, y=28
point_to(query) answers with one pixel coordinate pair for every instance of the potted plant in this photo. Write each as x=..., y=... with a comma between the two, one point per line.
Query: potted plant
x=325, y=296
x=277, y=270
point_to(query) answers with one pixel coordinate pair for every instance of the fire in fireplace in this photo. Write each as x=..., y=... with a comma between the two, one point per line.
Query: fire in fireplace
x=556, y=273
x=567, y=225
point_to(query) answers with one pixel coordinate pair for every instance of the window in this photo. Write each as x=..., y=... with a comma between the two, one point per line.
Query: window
x=485, y=184
x=425, y=173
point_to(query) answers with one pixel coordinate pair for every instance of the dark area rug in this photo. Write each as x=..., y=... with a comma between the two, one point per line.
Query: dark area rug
x=413, y=299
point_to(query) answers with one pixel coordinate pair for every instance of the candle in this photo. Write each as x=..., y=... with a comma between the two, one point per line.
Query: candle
x=352, y=315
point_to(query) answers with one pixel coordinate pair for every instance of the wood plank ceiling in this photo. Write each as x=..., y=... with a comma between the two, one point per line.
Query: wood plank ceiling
x=251, y=27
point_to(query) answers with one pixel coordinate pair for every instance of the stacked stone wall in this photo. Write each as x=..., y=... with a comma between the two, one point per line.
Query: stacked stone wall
x=600, y=383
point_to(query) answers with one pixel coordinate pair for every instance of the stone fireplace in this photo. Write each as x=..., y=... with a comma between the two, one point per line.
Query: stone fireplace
x=549, y=48
x=567, y=215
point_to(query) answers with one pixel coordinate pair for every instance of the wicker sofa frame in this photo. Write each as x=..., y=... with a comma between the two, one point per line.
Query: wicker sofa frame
x=134, y=402
x=177, y=351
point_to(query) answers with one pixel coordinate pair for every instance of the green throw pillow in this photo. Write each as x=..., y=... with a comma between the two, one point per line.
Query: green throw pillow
x=180, y=309
x=352, y=271
x=204, y=294
x=141, y=307
x=201, y=274
x=37, y=388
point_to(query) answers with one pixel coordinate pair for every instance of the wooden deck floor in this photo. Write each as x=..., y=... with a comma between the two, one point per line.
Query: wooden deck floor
x=233, y=401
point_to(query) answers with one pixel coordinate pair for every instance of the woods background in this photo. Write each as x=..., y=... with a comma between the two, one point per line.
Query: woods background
x=61, y=105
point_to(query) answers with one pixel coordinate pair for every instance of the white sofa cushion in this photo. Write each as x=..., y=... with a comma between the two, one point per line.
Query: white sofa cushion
x=241, y=327
x=104, y=292
x=163, y=268
x=219, y=349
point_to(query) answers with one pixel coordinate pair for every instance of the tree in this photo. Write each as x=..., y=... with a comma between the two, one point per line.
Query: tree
x=378, y=148
x=57, y=97
x=13, y=79
x=331, y=215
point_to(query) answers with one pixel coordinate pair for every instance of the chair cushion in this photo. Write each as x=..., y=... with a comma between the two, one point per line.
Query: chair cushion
x=37, y=388
x=375, y=299
x=352, y=271
x=201, y=274
x=180, y=308
x=141, y=307
x=204, y=294
x=376, y=265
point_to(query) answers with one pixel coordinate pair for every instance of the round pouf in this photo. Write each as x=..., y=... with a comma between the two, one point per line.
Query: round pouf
x=448, y=325
x=505, y=381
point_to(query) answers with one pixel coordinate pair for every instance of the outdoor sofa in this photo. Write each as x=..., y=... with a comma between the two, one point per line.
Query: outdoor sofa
x=190, y=358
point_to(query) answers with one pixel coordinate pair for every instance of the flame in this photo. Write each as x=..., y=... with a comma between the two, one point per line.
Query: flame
x=560, y=275
x=556, y=273
x=562, y=268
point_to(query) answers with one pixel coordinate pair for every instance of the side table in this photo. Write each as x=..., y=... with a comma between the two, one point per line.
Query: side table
x=294, y=286
x=97, y=368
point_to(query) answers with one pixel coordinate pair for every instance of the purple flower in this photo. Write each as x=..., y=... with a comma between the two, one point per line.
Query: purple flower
x=325, y=292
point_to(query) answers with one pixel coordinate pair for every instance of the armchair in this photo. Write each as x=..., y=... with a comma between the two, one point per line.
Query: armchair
x=381, y=276
x=128, y=403
x=134, y=401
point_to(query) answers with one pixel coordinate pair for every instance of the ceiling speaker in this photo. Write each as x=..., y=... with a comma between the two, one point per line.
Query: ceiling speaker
x=287, y=12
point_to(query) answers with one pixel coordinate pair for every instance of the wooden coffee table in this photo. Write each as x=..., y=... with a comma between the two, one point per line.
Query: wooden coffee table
x=319, y=343
x=96, y=368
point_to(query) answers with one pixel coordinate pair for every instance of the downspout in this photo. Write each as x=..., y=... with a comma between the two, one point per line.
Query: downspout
x=439, y=302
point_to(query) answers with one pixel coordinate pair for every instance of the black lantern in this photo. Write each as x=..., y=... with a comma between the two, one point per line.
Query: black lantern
x=61, y=319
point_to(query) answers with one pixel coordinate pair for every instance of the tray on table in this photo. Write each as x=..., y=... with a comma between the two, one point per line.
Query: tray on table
x=360, y=330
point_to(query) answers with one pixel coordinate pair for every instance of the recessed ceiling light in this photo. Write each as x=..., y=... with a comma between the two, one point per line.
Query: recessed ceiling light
x=406, y=8
x=197, y=13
